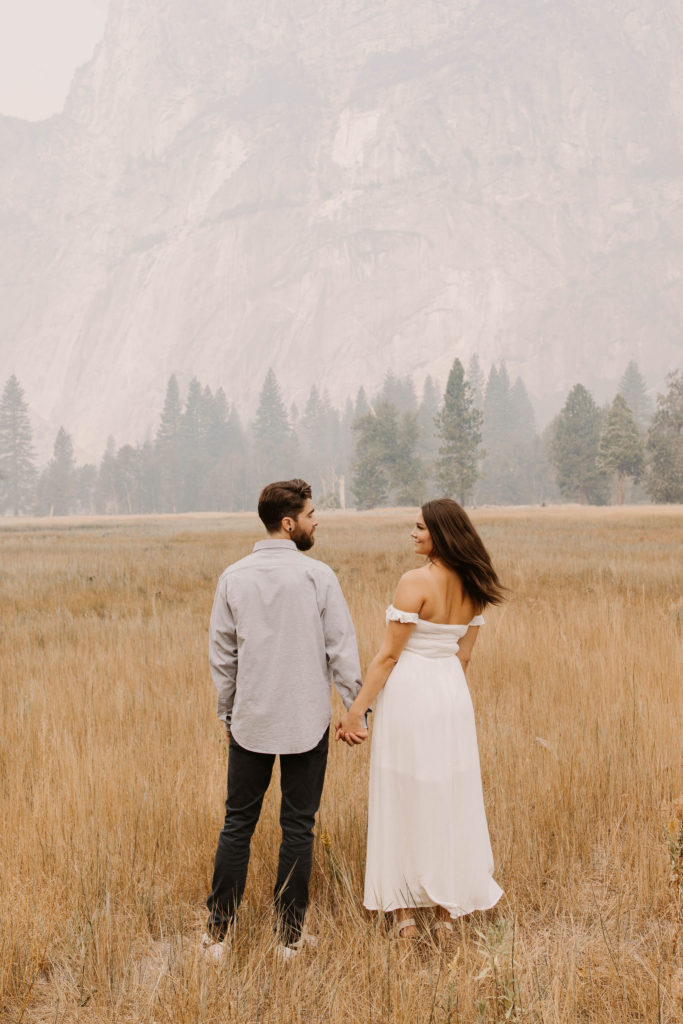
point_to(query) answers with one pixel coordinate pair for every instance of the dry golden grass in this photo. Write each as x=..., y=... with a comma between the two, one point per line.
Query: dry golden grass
x=112, y=776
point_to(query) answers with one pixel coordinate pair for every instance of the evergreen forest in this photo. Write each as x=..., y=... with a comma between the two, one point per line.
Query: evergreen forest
x=473, y=438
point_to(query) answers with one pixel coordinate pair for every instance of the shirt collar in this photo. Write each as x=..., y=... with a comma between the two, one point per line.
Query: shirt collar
x=288, y=544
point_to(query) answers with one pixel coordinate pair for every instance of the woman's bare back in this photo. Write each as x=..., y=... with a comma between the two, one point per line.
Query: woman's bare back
x=444, y=600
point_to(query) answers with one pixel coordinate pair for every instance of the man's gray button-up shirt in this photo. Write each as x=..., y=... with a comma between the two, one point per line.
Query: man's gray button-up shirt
x=280, y=631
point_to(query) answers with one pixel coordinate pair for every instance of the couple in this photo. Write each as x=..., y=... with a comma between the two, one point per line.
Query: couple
x=280, y=629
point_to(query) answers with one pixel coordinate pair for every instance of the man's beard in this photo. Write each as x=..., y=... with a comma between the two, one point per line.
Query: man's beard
x=304, y=541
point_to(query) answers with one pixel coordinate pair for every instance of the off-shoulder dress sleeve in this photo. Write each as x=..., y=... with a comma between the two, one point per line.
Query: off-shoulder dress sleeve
x=397, y=615
x=478, y=620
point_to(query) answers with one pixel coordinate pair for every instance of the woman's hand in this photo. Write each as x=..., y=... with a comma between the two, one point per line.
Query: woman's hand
x=351, y=728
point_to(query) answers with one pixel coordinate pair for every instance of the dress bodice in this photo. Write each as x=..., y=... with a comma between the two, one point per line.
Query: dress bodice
x=432, y=639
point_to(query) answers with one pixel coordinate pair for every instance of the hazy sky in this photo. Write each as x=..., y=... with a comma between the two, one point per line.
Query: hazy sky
x=42, y=42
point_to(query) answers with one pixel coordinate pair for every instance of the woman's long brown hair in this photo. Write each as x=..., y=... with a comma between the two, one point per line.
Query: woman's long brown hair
x=458, y=545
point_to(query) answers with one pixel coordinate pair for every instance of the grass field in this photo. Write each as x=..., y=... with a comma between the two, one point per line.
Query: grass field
x=112, y=777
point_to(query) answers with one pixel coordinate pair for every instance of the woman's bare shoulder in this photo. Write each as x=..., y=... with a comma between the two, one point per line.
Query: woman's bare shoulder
x=420, y=577
x=412, y=590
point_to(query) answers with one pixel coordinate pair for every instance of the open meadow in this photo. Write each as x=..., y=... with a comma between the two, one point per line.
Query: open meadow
x=112, y=779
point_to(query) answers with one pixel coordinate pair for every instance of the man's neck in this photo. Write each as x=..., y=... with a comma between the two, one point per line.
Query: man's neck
x=280, y=535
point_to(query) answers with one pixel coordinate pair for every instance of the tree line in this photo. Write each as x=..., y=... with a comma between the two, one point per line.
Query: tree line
x=477, y=442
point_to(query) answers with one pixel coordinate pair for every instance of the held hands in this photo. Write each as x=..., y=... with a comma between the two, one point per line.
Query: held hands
x=351, y=728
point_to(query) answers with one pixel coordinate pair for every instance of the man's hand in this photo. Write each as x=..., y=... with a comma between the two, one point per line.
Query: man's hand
x=351, y=728
x=227, y=731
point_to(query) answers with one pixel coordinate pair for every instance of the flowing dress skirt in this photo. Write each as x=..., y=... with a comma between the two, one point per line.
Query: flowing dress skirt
x=428, y=841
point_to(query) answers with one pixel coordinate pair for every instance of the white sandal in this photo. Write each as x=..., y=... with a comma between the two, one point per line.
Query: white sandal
x=405, y=922
x=446, y=929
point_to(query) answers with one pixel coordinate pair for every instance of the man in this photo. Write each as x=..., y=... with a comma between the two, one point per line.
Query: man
x=279, y=627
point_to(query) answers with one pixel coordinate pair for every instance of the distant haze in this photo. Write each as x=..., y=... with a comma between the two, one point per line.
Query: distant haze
x=337, y=188
x=41, y=44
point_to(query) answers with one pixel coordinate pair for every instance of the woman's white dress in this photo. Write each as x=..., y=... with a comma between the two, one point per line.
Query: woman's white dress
x=428, y=841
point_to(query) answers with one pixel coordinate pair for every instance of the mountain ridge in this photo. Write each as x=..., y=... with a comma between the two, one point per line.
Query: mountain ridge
x=341, y=192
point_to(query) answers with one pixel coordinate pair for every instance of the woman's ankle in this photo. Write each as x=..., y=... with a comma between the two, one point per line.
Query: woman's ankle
x=404, y=925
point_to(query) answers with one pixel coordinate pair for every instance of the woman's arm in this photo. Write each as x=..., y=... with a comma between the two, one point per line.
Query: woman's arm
x=409, y=597
x=465, y=646
x=351, y=724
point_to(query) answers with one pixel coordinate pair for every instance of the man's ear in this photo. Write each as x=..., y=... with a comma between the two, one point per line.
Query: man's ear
x=288, y=524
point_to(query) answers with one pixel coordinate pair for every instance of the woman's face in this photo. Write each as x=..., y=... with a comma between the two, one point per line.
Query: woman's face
x=421, y=537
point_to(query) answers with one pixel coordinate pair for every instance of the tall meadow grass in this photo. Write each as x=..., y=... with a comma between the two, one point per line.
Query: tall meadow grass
x=112, y=780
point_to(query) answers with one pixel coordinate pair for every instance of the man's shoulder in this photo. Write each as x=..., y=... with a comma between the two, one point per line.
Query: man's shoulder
x=321, y=568
x=306, y=565
x=238, y=566
x=295, y=557
x=260, y=557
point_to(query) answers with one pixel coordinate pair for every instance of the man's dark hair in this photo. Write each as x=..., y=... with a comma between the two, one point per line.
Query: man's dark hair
x=283, y=498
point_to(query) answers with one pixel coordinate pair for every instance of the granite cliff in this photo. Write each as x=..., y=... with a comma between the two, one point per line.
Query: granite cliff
x=338, y=187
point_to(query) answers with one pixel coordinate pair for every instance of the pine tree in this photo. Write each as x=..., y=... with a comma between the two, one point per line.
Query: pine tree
x=168, y=448
x=496, y=486
x=273, y=442
x=149, y=478
x=105, y=490
x=128, y=479
x=548, y=489
x=373, y=459
x=85, y=485
x=234, y=475
x=17, y=457
x=664, y=480
x=346, y=447
x=459, y=427
x=192, y=437
x=476, y=380
x=321, y=434
x=621, y=447
x=386, y=467
x=574, y=449
x=428, y=437
x=528, y=467
x=215, y=441
x=399, y=391
x=408, y=475
x=57, y=484
x=633, y=388
x=312, y=432
x=361, y=406
x=217, y=424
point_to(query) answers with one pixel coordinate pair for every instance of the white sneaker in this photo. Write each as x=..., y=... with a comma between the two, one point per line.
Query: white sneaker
x=212, y=949
x=286, y=953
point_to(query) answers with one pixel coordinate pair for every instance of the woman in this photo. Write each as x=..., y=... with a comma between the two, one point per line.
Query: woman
x=428, y=841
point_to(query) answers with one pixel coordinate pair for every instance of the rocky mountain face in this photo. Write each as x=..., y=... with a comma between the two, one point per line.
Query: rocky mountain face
x=339, y=187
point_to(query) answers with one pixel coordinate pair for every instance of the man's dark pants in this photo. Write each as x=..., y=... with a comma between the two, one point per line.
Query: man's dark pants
x=301, y=781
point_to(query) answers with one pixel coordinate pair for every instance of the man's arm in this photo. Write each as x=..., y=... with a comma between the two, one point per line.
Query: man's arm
x=223, y=652
x=340, y=642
